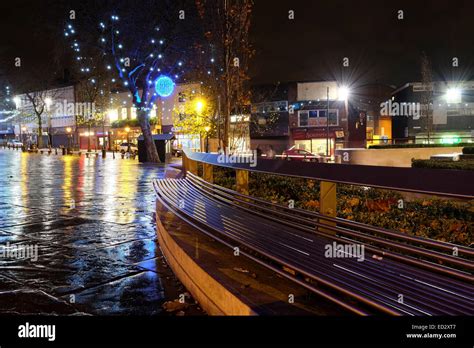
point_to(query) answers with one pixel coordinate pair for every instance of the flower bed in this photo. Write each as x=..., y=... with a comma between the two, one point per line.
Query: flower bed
x=443, y=220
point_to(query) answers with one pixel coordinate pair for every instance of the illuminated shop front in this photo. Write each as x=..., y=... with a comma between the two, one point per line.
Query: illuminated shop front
x=315, y=140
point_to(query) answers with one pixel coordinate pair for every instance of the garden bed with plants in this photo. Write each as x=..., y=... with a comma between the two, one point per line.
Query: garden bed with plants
x=415, y=146
x=466, y=164
x=439, y=219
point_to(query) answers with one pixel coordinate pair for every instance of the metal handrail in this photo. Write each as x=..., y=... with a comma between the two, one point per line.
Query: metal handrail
x=439, y=182
x=313, y=215
x=168, y=189
x=332, y=286
x=416, y=251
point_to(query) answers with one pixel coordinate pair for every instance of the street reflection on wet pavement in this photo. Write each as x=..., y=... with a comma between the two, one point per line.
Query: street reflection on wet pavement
x=92, y=221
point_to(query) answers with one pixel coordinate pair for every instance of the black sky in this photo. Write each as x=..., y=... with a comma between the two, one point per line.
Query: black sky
x=380, y=47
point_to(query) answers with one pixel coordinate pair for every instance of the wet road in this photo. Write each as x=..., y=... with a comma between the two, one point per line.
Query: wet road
x=91, y=222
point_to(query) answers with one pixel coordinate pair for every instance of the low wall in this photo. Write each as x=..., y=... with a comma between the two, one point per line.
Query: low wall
x=391, y=157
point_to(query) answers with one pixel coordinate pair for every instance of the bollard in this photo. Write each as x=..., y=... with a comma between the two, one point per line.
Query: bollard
x=242, y=178
x=328, y=204
x=208, y=173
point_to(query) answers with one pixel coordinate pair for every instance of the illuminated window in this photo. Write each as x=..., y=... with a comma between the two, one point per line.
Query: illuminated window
x=318, y=118
x=124, y=114
x=112, y=114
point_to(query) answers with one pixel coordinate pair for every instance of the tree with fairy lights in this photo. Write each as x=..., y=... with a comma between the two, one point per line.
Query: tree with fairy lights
x=226, y=53
x=144, y=43
x=94, y=85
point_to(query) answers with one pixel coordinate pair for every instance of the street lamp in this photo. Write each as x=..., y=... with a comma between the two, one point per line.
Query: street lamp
x=22, y=136
x=68, y=131
x=343, y=93
x=207, y=129
x=453, y=95
x=199, y=106
x=17, y=102
x=48, y=102
x=127, y=129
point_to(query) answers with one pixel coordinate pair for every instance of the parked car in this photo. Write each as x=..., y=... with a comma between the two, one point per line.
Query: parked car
x=15, y=144
x=125, y=146
x=295, y=154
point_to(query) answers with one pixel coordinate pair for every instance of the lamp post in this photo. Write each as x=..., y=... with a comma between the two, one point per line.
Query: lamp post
x=17, y=102
x=127, y=129
x=207, y=129
x=68, y=131
x=104, y=150
x=199, y=106
x=22, y=137
x=327, y=125
x=344, y=93
x=48, y=102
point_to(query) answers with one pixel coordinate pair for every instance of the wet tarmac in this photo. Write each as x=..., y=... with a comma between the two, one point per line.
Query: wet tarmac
x=91, y=222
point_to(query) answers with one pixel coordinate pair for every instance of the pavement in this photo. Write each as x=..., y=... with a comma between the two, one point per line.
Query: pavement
x=78, y=237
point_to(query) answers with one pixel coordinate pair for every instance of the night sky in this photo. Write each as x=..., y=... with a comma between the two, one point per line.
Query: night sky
x=380, y=47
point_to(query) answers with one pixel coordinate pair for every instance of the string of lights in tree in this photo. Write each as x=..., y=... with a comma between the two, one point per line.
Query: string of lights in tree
x=149, y=72
x=87, y=65
x=160, y=77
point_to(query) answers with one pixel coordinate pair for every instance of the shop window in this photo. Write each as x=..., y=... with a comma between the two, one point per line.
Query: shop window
x=318, y=118
x=124, y=114
x=304, y=117
x=333, y=118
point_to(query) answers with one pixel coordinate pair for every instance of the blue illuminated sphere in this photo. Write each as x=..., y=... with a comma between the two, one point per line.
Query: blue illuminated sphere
x=164, y=86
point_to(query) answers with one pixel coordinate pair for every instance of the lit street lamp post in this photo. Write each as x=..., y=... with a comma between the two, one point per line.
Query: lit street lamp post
x=207, y=129
x=68, y=131
x=48, y=102
x=22, y=136
x=127, y=129
x=327, y=126
x=343, y=95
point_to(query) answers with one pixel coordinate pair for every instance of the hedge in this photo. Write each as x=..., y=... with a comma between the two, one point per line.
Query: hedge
x=432, y=164
x=468, y=150
x=439, y=219
x=414, y=146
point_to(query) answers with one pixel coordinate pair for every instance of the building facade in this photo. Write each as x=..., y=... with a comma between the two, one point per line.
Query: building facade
x=318, y=117
x=441, y=111
x=66, y=122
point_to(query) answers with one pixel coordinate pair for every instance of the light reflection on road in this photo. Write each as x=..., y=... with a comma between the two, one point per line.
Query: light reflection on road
x=92, y=219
